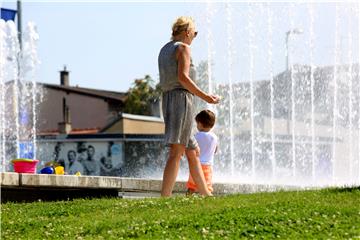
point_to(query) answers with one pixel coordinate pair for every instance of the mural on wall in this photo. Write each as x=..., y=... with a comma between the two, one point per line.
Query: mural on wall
x=87, y=158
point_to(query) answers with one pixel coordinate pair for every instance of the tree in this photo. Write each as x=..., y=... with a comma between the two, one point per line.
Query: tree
x=142, y=96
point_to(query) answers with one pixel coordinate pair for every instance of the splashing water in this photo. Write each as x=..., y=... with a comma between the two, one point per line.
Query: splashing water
x=19, y=94
x=299, y=126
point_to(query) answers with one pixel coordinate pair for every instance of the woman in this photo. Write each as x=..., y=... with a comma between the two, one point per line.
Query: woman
x=176, y=81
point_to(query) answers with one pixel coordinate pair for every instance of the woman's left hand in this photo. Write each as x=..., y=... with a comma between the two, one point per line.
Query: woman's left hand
x=212, y=99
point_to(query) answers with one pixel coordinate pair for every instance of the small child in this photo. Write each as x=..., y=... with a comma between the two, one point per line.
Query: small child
x=207, y=141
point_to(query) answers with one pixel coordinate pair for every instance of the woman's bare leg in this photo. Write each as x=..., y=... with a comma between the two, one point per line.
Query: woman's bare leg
x=171, y=169
x=196, y=172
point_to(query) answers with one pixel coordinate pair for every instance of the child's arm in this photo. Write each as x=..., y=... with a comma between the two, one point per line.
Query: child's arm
x=197, y=149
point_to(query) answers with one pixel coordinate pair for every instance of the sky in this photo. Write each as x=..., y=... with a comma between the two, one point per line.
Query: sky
x=108, y=44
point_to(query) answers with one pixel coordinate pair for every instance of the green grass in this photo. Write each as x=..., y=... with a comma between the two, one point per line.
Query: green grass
x=324, y=214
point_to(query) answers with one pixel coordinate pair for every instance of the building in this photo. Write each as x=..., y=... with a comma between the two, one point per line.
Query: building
x=65, y=108
x=313, y=123
x=135, y=124
x=87, y=126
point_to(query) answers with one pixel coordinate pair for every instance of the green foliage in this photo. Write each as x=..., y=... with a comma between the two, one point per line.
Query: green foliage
x=322, y=214
x=141, y=96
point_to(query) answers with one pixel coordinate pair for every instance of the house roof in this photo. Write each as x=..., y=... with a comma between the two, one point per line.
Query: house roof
x=54, y=132
x=142, y=117
x=117, y=96
x=132, y=117
x=104, y=94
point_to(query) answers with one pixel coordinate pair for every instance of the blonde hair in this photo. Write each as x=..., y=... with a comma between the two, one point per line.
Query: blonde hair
x=182, y=24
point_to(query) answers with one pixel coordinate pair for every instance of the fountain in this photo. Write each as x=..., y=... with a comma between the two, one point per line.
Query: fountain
x=19, y=93
x=299, y=126
x=296, y=127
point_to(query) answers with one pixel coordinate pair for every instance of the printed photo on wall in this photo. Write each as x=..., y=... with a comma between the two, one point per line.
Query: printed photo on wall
x=86, y=158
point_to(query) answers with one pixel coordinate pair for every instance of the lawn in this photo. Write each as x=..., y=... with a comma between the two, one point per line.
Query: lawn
x=322, y=214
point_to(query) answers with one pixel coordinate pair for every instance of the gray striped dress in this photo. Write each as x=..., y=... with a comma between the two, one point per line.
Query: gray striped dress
x=177, y=102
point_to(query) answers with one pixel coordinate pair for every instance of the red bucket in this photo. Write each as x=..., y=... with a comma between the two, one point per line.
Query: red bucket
x=24, y=165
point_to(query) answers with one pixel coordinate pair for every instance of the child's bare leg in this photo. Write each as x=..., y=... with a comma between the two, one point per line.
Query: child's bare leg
x=196, y=172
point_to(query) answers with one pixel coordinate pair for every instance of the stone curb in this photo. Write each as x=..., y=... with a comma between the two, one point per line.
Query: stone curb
x=16, y=180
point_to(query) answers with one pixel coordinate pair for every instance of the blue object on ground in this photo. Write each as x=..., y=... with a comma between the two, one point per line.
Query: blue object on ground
x=47, y=170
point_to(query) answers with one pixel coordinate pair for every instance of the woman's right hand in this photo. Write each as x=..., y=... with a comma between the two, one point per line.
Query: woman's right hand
x=212, y=99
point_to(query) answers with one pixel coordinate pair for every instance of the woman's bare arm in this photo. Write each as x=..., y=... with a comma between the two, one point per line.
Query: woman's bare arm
x=183, y=57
